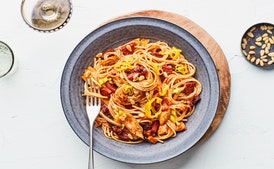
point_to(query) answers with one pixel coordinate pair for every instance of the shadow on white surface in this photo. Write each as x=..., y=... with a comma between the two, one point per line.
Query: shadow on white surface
x=174, y=163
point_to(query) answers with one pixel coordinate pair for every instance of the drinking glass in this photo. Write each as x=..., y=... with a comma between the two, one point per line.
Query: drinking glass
x=46, y=15
x=6, y=59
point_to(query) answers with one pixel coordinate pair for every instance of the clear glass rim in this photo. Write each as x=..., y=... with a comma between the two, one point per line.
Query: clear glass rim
x=12, y=59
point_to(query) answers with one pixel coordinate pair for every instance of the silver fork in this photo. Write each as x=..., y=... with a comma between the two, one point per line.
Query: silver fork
x=93, y=105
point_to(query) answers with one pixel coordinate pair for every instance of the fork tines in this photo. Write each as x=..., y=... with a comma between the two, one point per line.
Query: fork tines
x=92, y=100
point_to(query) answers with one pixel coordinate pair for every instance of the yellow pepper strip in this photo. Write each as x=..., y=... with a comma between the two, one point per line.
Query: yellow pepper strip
x=103, y=80
x=122, y=66
x=142, y=42
x=164, y=90
x=127, y=89
x=150, y=111
x=173, y=116
x=177, y=90
x=155, y=68
x=182, y=69
x=175, y=53
x=120, y=116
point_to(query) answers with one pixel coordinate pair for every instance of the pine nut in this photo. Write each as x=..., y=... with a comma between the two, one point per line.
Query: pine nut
x=258, y=43
x=265, y=35
x=257, y=61
x=261, y=63
x=252, y=29
x=261, y=53
x=250, y=34
x=264, y=60
x=248, y=57
x=263, y=57
x=262, y=27
x=268, y=45
x=266, y=50
x=128, y=48
x=243, y=46
x=269, y=31
x=244, y=52
x=265, y=38
x=271, y=54
x=259, y=39
x=270, y=62
x=251, y=52
x=252, y=47
x=271, y=41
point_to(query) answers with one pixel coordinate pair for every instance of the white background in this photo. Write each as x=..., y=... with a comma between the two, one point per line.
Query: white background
x=34, y=133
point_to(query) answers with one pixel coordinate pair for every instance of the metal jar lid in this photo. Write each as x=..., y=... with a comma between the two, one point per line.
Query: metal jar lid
x=46, y=15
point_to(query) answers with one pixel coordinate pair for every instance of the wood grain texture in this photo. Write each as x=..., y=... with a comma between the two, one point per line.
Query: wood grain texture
x=214, y=50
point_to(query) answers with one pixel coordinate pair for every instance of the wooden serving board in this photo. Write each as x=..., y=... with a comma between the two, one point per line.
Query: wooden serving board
x=214, y=50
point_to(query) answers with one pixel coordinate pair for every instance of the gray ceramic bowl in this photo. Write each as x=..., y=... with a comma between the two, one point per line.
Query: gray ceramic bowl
x=112, y=35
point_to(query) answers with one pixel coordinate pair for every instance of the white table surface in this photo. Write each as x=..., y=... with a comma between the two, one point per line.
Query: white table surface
x=34, y=133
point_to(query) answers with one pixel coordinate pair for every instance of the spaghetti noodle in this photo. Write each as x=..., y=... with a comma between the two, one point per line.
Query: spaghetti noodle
x=148, y=91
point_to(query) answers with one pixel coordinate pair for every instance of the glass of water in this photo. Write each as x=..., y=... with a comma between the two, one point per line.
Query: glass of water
x=6, y=59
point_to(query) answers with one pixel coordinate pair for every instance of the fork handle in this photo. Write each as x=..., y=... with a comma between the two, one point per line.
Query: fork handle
x=91, y=158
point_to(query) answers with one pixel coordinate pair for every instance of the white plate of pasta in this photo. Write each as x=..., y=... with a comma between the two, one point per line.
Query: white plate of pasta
x=158, y=85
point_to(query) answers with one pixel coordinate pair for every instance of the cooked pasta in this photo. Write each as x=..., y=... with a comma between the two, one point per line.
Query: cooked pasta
x=148, y=91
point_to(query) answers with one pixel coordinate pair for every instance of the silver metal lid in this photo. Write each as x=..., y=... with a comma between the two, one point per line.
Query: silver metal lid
x=46, y=15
